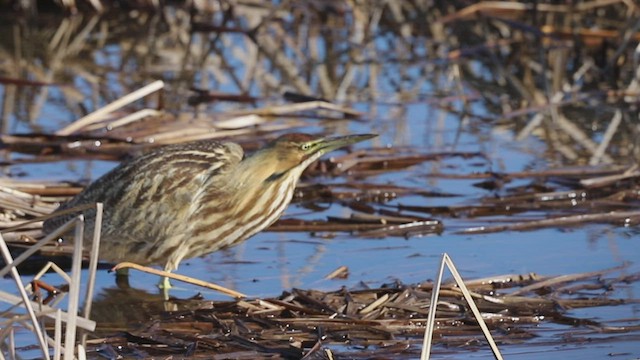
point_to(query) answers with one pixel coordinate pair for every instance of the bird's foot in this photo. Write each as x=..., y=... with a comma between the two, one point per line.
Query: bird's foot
x=164, y=283
x=164, y=286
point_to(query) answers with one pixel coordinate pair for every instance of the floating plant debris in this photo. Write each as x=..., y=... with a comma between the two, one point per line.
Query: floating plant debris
x=387, y=321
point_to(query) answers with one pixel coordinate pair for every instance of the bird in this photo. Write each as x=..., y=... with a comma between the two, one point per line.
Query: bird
x=186, y=200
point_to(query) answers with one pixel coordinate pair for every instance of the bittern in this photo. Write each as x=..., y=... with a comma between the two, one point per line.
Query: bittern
x=186, y=200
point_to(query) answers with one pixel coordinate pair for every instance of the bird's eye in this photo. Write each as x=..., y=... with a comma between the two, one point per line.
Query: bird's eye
x=305, y=147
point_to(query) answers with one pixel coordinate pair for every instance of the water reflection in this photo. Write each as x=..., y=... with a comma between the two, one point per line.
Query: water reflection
x=386, y=61
x=121, y=306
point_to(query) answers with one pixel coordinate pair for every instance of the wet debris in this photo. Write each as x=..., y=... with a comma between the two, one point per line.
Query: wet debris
x=342, y=272
x=387, y=321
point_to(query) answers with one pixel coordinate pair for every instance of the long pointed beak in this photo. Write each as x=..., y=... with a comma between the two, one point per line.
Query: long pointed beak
x=333, y=143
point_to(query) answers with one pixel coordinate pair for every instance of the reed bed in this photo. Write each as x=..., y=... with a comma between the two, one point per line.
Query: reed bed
x=33, y=306
x=384, y=322
x=564, y=74
x=547, y=66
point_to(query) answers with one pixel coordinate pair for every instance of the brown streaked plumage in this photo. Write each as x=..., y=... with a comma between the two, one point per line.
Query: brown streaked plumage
x=187, y=200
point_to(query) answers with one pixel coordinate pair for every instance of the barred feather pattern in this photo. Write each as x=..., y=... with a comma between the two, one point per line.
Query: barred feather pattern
x=187, y=200
x=148, y=201
x=183, y=201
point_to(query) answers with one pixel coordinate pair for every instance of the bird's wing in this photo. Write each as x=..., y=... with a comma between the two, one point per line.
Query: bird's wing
x=153, y=187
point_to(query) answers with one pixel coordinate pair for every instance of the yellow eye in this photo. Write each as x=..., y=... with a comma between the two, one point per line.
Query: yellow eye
x=305, y=147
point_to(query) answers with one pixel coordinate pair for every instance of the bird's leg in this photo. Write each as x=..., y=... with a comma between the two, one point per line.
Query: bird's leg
x=164, y=283
x=164, y=286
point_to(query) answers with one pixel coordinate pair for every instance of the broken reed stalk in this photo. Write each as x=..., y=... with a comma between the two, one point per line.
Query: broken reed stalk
x=11, y=266
x=57, y=335
x=57, y=233
x=99, y=114
x=631, y=172
x=93, y=266
x=24, y=298
x=49, y=311
x=74, y=289
x=71, y=318
x=431, y=318
x=125, y=120
x=563, y=279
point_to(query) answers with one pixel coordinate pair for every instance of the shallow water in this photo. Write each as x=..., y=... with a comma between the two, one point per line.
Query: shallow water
x=271, y=262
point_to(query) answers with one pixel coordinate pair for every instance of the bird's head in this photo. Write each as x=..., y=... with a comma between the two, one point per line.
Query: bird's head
x=290, y=154
x=281, y=163
x=299, y=150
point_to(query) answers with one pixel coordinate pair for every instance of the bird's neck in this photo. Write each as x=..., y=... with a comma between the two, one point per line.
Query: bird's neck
x=255, y=176
x=253, y=170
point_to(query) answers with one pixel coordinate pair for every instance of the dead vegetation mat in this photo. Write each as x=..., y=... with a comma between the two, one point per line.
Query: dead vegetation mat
x=365, y=322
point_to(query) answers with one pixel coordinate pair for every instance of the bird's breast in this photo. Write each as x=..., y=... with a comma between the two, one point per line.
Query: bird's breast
x=225, y=224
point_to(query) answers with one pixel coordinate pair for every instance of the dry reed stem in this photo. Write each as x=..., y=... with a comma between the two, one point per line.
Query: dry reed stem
x=183, y=278
x=71, y=318
x=24, y=298
x=435, y=293
x=554, y=281
x=512, y=8
x=600, y=181
x=599, y=152
x=99, y=114
x=280, y=110
x=74, y=290
x=185, y=135
x=558, y=221
x=126, y=120
x=342, y=272
x=93, y=265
